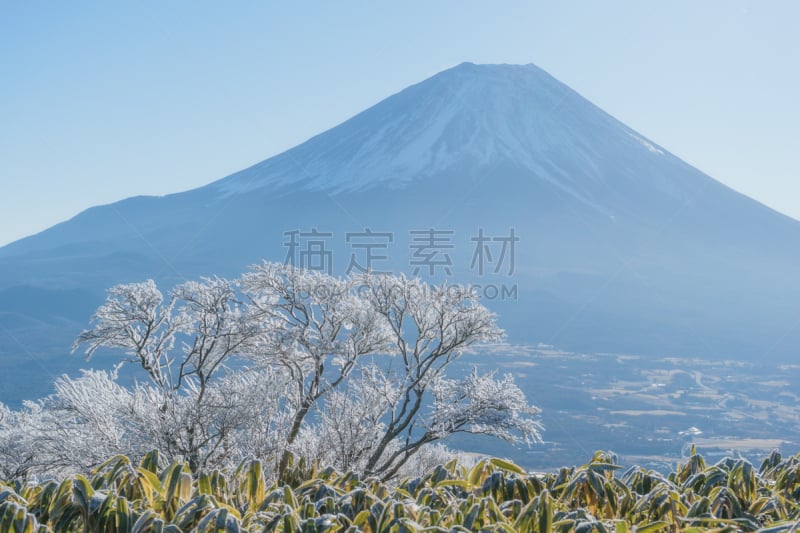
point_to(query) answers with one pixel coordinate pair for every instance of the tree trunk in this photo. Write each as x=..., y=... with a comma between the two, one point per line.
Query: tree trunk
x=293, y=432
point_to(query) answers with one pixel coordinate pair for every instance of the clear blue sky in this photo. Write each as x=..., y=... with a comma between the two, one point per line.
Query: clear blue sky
x=104, y=100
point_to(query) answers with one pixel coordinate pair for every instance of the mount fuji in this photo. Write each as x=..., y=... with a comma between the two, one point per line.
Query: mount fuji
x=578, y=231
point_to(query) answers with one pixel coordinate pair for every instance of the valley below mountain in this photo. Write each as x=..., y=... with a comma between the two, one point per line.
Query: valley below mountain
x=649, y=411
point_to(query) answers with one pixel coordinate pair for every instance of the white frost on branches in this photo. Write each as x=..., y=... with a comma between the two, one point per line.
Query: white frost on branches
x=481, y=404
x=349, y=372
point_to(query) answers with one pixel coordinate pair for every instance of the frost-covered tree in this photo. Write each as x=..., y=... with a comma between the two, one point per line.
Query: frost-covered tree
x=83, y=423
x=16, y=457
x=136, y=319
x=318, y=329
x=91, y=418
x=207, y=321
x=399, y=401
x=350, y=372
x=350, y=422
x=205, y=315
x=431, y=326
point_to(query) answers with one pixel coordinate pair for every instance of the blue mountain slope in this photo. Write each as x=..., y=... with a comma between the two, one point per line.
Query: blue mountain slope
x=622, y=246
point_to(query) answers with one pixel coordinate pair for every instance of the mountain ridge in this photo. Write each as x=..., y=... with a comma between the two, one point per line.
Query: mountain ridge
x=247, y=180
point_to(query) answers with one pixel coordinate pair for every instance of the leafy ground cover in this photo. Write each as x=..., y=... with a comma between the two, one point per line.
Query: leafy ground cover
x=492, y=495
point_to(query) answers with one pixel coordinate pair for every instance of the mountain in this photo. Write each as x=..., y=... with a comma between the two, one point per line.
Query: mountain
x=618, y=245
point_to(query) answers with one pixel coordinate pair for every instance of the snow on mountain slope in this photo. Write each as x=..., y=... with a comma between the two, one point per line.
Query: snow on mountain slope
x=483, y=115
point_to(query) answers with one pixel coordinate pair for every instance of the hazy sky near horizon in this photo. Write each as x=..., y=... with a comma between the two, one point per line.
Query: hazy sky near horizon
x=104, y=100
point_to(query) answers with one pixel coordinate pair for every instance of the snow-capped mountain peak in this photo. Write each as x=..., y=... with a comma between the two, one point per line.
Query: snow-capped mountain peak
x=463, y=119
